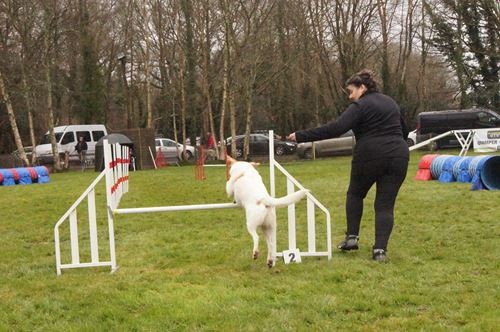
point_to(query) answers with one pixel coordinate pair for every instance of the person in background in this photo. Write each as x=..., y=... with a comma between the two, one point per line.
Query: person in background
x=210, y=141
x=81, y=147
x=380, y=157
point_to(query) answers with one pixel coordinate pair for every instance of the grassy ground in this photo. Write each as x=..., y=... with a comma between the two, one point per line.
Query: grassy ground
x=193, y=270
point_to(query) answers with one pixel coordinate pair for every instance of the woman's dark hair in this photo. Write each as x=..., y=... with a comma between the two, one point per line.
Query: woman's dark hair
x=366, y=77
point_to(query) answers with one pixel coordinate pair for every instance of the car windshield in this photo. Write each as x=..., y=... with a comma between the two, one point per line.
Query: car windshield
x=46, y=138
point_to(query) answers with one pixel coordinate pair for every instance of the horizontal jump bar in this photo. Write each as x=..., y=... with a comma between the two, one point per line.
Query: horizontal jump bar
x=308, y=254
x=78, y=265
x=176, y=208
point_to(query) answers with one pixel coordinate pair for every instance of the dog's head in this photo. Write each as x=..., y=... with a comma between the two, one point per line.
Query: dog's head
x=232, y=164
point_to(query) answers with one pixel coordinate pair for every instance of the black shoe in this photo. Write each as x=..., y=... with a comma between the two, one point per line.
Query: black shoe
x=379, y=255
x=350, y=243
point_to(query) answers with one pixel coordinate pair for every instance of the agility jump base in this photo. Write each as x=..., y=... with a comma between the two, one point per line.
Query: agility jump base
x=116, y=181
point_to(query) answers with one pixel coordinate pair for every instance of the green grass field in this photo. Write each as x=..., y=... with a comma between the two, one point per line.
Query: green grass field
x=193, y=270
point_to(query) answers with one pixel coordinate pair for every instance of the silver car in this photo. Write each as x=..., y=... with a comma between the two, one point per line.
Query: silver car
x=328, y=147
x=170, y=149
x=412, y=138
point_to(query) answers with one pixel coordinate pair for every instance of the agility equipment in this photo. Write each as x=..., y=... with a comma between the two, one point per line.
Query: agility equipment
x=465, y=138
x=483, y=172
x=116, y=162
x=461, y=169
x=424, y=167
x=116, y=182
x=199, y=169
x=24, y=175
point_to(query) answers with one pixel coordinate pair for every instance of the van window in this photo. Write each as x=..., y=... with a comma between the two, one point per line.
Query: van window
x=85, y=134
x=97, y=134
x=68, y=137
x=485, y=119
x=46, y=138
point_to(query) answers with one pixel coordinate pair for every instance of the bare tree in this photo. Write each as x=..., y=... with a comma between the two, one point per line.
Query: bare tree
x=13, y=122
x=50, y=17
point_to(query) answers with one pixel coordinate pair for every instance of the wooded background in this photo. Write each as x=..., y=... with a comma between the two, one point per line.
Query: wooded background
x=187, y=67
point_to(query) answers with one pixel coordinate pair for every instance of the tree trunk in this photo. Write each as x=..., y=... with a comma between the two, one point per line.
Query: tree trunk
x=149, y=110
x=224, y=100
x=13, y=123
x=248, y=120
x=206, y=49
x=385, y=71
x=183, y=105
x=29, y=107
x=50, y=110
x=422, y=88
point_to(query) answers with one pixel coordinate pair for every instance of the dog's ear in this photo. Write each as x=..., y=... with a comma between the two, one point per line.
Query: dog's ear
x=254, y=164
x=230, y=160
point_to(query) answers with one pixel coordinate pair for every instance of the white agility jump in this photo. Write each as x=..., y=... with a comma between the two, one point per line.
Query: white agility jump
x=465, y=141
x=116, y=181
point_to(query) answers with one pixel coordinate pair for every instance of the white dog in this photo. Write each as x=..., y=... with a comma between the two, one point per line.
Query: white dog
x=247, y=189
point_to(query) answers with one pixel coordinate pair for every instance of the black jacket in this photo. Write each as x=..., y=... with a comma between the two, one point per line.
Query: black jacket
x=81, y=146
x=377, y=124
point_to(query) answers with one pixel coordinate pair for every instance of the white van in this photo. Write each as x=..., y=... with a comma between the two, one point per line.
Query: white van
x=66, y=138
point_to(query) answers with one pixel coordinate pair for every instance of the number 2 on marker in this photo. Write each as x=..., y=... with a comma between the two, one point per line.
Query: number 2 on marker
x=292, y=256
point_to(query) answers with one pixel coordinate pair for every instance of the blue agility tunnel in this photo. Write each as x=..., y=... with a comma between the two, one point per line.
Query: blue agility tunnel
x=43, y=174
x=486, y=173
x=447, y=169
x=461, y=170
x=8, y=177
x=24, y=175
x=482, y=171
x=437, y=165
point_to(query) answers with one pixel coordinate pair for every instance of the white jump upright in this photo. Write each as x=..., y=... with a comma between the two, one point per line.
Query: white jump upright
x=116, y=161
x=312, y=203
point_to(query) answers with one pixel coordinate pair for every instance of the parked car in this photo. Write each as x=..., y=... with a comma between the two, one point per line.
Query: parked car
x=412, y=138
x=168, y=147
x=328, y=147
x=259, y=145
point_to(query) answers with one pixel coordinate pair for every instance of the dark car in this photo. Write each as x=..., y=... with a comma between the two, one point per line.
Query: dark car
x=259, y=145
x=328, y=147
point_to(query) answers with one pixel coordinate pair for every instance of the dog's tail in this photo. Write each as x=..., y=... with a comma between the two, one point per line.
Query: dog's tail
x=285, y=200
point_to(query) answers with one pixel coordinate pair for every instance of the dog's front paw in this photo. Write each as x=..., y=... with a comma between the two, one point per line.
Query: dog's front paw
x=270, y=263
x=255, y=254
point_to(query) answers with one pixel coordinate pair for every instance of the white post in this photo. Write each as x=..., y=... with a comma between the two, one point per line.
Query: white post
x=292, y=242
x=111, y=230
x=311, y=226
x=125, y=169
x=118, y=169
x=94, y=247
x=58, y=250
x=110, y=199
x=272, y=184
x=73, y=228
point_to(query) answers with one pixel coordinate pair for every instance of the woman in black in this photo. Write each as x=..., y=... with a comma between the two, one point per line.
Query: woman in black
x=380, y=156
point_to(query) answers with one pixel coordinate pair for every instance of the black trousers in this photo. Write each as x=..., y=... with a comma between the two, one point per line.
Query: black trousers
x=388, y=174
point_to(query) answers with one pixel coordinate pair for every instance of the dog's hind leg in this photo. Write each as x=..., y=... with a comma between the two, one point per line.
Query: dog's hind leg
x=269, y=230
x=252, y=229
x=255, y=217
